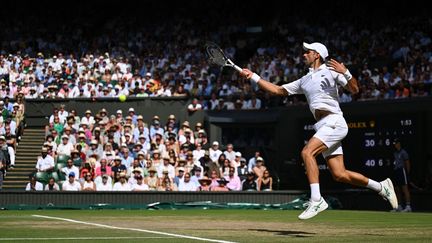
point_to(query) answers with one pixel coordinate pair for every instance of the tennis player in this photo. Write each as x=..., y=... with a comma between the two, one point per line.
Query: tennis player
x=320, y=86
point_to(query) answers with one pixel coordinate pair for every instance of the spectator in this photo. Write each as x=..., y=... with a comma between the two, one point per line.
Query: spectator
x=234, y=183
x=122, y=184
x=250, y=184
x=152, y=180
x=204, y=184
x=140, y=185
x=252, y=161
x=266, y=182
x=52, y=185
x=242, y=170
x=105, y=184
x=71, y=184
x=167, y=185
x=259, y=167
x=187, y=184
x=45, y=163
x=117, y=169
x=65, y=148
x=88, y=184
x=34, y=185
x=222, y=186
x=194, y=106
x=180, y=176
x=70, y=167
x=214, y=176
x=214, y=151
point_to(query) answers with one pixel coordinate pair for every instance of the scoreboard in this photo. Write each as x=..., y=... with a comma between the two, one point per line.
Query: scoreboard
x=368, y=147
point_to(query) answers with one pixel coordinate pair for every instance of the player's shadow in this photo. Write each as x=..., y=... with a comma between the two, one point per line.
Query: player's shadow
x=292, y=233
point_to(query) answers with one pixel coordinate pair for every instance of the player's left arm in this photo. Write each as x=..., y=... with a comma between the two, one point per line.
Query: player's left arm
x=352, y=84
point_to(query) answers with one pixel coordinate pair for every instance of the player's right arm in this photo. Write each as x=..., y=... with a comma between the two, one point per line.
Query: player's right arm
x=284, y=90
x=264, y=84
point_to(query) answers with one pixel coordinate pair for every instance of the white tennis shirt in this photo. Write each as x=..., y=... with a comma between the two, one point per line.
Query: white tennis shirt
x=320, y=88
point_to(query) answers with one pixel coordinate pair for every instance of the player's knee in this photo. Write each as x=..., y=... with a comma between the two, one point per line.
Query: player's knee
x=306, y=153
x=340, y=176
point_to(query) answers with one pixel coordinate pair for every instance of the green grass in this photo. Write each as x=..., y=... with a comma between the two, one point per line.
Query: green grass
x=230, y=225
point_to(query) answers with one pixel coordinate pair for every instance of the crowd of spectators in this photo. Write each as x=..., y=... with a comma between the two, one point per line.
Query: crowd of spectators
x=12, y=123
x=122, y=152
x=160, y=59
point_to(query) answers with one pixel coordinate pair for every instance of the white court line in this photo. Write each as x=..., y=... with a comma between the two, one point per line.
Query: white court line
x=89, y=238
x=133, y=229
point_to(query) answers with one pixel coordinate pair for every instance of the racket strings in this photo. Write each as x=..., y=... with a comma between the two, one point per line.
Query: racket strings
x=215, y=56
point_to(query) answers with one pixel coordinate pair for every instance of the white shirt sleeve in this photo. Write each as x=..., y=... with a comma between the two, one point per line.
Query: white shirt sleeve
x=293, y=87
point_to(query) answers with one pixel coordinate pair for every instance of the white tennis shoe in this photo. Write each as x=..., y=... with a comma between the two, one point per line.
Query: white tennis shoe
x=388, y=193
x=313, y=209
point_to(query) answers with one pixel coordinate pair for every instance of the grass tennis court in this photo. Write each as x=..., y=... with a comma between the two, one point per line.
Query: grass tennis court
x=213, y=225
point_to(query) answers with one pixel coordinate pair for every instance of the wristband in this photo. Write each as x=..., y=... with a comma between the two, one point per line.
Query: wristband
x=255, y=77
x=348, y=75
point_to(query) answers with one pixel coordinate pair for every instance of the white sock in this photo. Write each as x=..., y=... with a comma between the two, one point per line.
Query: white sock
x=315, y=192
x=374, y=185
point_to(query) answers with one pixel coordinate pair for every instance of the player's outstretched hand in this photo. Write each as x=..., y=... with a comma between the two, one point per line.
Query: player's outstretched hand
x=336, y=66
x=246, y=73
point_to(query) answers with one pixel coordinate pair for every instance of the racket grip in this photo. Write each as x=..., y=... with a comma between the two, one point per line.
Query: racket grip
x=239, y=69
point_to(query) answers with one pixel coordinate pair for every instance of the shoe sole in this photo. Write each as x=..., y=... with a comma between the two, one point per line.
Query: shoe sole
x=395, y=205
x=326, y=206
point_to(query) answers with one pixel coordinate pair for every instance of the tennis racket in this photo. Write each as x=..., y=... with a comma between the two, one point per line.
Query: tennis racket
x=216, y=56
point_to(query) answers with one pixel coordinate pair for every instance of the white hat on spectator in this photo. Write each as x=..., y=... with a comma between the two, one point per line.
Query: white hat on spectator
x=148, y=74
x=318, y=47
x=185, y=123
x=141, y=153
x=142, y=136
x=117, y=158
x=171, y=117
x=88, y=111
x=216, y=143
x=259, y=159
x=84, y=123
x=181, y=169
x=131, y=109
x=137, y=170
x=65, y=136
x=110, y=86
x=124, y=145
x=93, y=142
x=140, y=117
x=238, y=154
x=201, y=131
x=117, y=86
x=119, y=111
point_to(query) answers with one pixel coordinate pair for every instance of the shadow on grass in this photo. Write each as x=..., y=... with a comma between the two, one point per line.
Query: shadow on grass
x=292, y=233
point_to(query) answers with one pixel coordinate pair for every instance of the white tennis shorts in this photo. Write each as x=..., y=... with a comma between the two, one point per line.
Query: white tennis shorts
x=331, y=130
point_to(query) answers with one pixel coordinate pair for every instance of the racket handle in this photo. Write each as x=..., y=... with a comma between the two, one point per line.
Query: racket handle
x=239, y=69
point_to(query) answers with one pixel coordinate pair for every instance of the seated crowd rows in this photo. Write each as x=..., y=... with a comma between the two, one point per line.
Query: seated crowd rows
x=121, y=152
x=12, y=123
